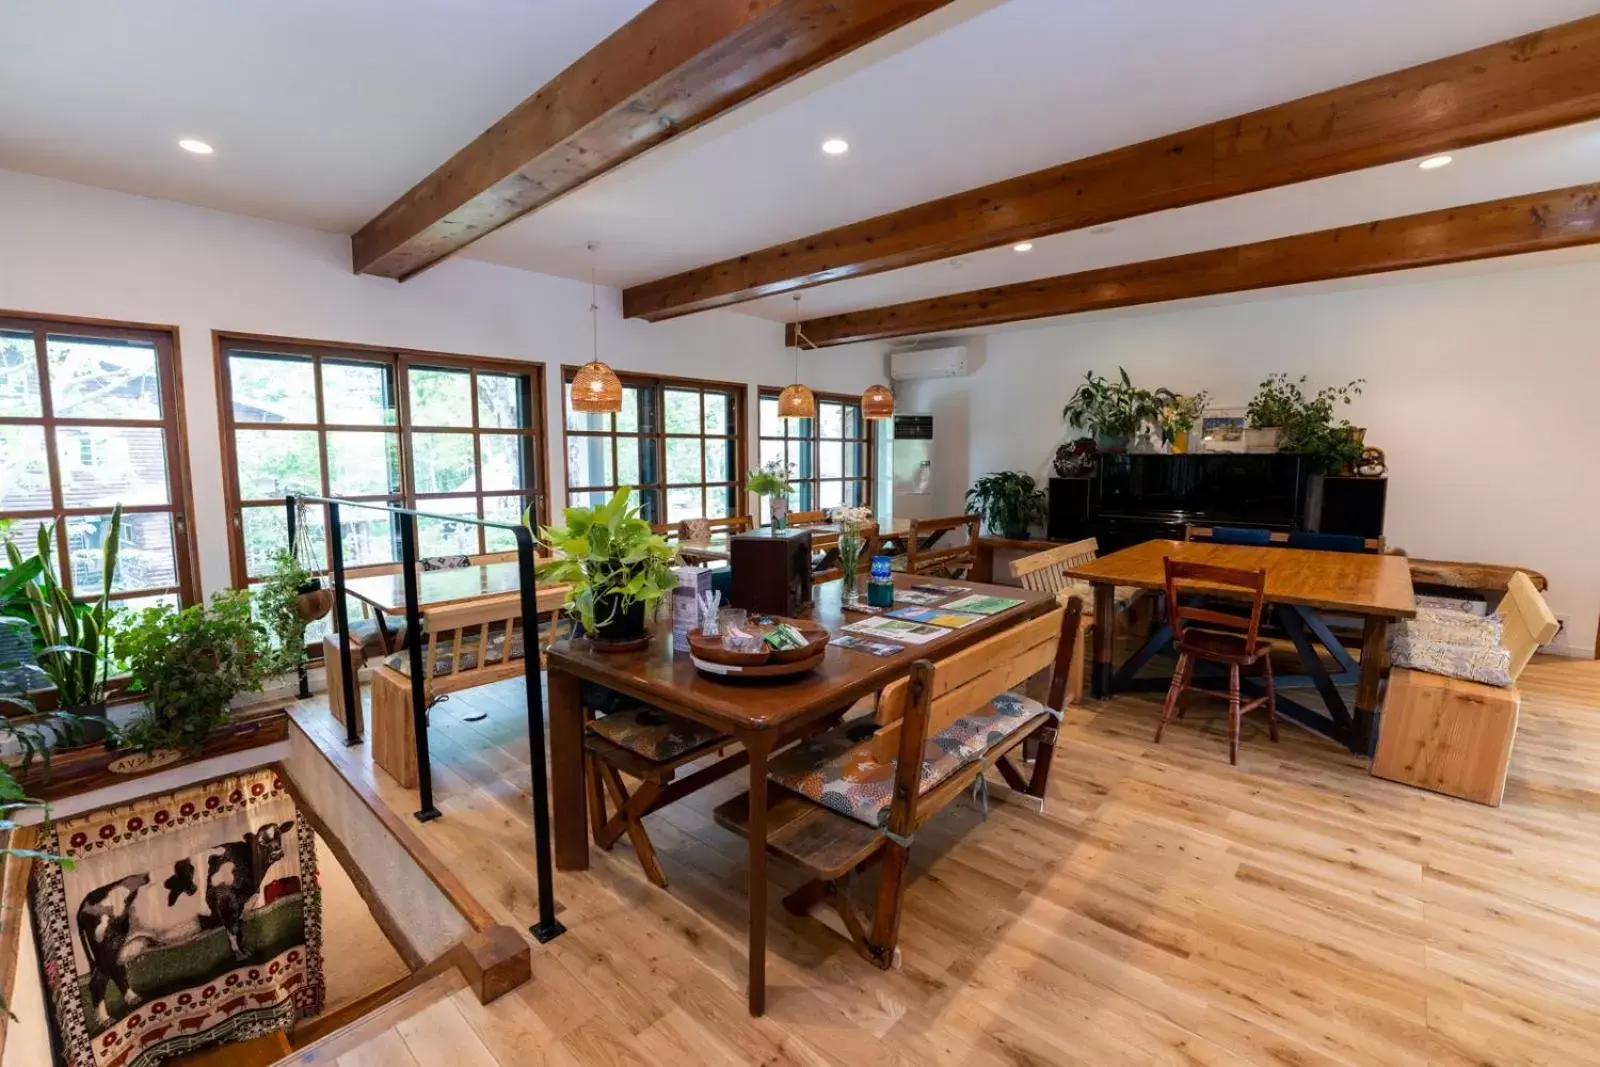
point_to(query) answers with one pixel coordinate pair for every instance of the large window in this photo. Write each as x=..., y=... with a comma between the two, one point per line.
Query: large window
x=829, y=456
x=89, y=419
x=440, y=433
x=679, y=442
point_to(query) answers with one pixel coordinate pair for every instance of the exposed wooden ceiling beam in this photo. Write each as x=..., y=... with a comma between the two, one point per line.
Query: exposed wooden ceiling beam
x=1533, y=223
x=675, y=65
x=1531, y=83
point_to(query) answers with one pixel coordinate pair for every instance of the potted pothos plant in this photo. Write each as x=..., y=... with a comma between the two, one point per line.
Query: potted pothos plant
x=188, y=665
x=616, y=566
x=1009, y=501
x=312, y=601
x=282, y=601
x=71, y=647
x=1113, y=411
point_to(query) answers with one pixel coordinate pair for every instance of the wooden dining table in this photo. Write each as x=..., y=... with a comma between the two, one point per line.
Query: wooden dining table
x=435, y=589
x=1304, y=588
x=761, y=715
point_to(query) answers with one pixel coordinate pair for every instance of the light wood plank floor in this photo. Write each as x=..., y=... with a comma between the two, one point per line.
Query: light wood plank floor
x=1165, y=909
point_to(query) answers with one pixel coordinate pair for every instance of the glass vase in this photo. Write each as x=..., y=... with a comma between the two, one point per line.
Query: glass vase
x=849, y=560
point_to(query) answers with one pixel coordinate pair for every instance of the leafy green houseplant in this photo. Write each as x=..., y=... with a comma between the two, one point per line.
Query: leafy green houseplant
x=1112, y=411
x=70, y=636
x=617, y=568
x=1306, y=423
x=280, y=600
x=1008, y=501
x=188, y=665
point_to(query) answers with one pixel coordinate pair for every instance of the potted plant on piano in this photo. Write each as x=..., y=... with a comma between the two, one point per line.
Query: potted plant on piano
x=1113, y=411
x=617, y=569
x=1009, y=502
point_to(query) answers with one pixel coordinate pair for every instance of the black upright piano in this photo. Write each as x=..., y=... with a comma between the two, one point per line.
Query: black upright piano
x=1131, y=498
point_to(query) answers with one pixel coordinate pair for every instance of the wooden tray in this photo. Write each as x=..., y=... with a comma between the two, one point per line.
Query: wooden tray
x=765, y=670
x=709, y=654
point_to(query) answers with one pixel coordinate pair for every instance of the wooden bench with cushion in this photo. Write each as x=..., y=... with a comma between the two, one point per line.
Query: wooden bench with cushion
x=1453, y=736
x=855, y=795
x=453, y=658
x=953, y=561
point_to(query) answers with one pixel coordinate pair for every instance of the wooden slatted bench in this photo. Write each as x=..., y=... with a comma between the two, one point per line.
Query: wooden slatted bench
x=854, y=796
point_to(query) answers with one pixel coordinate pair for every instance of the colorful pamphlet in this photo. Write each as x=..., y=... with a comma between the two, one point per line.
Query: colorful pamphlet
x=915, y=596
x=982, y=605
x=941, y=590
x=952, y=620
x=902, y=630
x=873, y=648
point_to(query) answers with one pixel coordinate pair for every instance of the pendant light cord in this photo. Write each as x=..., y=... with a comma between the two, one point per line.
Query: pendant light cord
x=594, y=305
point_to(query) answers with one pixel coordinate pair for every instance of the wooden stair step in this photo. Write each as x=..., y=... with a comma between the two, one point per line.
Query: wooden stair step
x=368, y=1027
x=804, y=832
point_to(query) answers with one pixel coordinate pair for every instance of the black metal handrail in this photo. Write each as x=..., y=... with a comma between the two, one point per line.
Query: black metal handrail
x=547, y=927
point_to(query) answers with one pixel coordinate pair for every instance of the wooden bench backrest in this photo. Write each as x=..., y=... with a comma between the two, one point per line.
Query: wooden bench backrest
x=964, y=682
x=869, y=548
x=1047, y=571
x=1528, y=620
x=807, y=518
x=924, y=560
x=453, y=625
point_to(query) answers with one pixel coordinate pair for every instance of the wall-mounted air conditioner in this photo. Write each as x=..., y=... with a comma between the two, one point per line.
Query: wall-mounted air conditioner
x=915, y=363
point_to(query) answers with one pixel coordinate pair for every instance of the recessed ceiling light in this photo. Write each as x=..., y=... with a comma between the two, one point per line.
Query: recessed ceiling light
x=1022, y=246
x=1434, y=162
x=835, y=147
x=199, y=148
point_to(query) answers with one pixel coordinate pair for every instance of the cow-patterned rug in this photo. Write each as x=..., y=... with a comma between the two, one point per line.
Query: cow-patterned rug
x=183, y=920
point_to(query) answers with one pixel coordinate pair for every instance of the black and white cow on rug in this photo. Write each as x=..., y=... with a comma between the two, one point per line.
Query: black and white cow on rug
x=205, y=892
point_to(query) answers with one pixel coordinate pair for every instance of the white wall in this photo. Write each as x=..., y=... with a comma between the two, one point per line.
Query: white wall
x=1482, y=390
x=76, y=250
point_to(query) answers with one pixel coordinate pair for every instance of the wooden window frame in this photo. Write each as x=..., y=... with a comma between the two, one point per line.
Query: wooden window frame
x=175, y=440
x=400, y=362
x=658, y=385
x=868, y=442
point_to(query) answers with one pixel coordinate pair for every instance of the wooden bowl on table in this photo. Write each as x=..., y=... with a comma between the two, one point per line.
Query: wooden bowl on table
x=765, y=662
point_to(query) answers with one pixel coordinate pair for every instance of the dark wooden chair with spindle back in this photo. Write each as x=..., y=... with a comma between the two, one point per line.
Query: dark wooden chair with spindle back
x=1203, y=633
x=952, y=561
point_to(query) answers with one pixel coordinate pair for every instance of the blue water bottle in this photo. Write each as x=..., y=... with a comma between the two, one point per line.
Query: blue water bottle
x=880, y=584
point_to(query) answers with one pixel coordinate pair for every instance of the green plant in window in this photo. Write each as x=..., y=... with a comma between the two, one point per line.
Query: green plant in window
x=188, y=665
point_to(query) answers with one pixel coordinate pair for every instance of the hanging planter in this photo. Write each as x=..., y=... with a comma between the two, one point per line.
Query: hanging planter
x=313, y=602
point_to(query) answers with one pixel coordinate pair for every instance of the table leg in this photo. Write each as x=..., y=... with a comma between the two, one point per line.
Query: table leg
x=759, y=746
x=1374, y=647
x=1104, y=622
x=567, y=771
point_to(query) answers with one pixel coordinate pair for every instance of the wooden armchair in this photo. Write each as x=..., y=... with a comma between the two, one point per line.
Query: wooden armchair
x=1047, y=572
x=807, y=518
x=700, y=531
x=924, y=557
x=855, y=795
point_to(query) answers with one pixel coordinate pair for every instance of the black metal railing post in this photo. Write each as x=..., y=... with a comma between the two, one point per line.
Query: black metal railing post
x=304, y=675
x=341, y=616
x=419, y=680
x=547, y=927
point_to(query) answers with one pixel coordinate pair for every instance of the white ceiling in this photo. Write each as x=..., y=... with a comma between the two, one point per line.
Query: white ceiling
x=322, y=114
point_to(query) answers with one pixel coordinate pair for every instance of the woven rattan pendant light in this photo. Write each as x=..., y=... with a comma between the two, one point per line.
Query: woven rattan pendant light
x=877, y=403
x=796, y=401
x=596, y=389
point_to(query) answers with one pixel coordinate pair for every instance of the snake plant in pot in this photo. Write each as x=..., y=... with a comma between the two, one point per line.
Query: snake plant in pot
x=70, y=636
x=1009, y=501
x=616, y=566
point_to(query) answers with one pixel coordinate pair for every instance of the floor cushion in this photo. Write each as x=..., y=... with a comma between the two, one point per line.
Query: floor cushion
x=652, y=733
x=1455, y=644
x=836, y=768
x=441, y=652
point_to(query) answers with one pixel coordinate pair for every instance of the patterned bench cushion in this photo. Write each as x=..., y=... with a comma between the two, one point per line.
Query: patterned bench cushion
x=652, y=733
x=401, y=661
x=836, y=768
x=1453, y=643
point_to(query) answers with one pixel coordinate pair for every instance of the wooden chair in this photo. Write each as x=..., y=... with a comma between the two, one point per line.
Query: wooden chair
x=650, y=746
x=855, y=795
x=1047, y=572
x=1217, y=638
x=807, y=518
x=453, y=658
x=922, y=557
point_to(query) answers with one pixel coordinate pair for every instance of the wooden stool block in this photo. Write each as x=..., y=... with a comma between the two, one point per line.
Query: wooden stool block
x=394, y=741
x=330, y=667
x=1447, y=735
